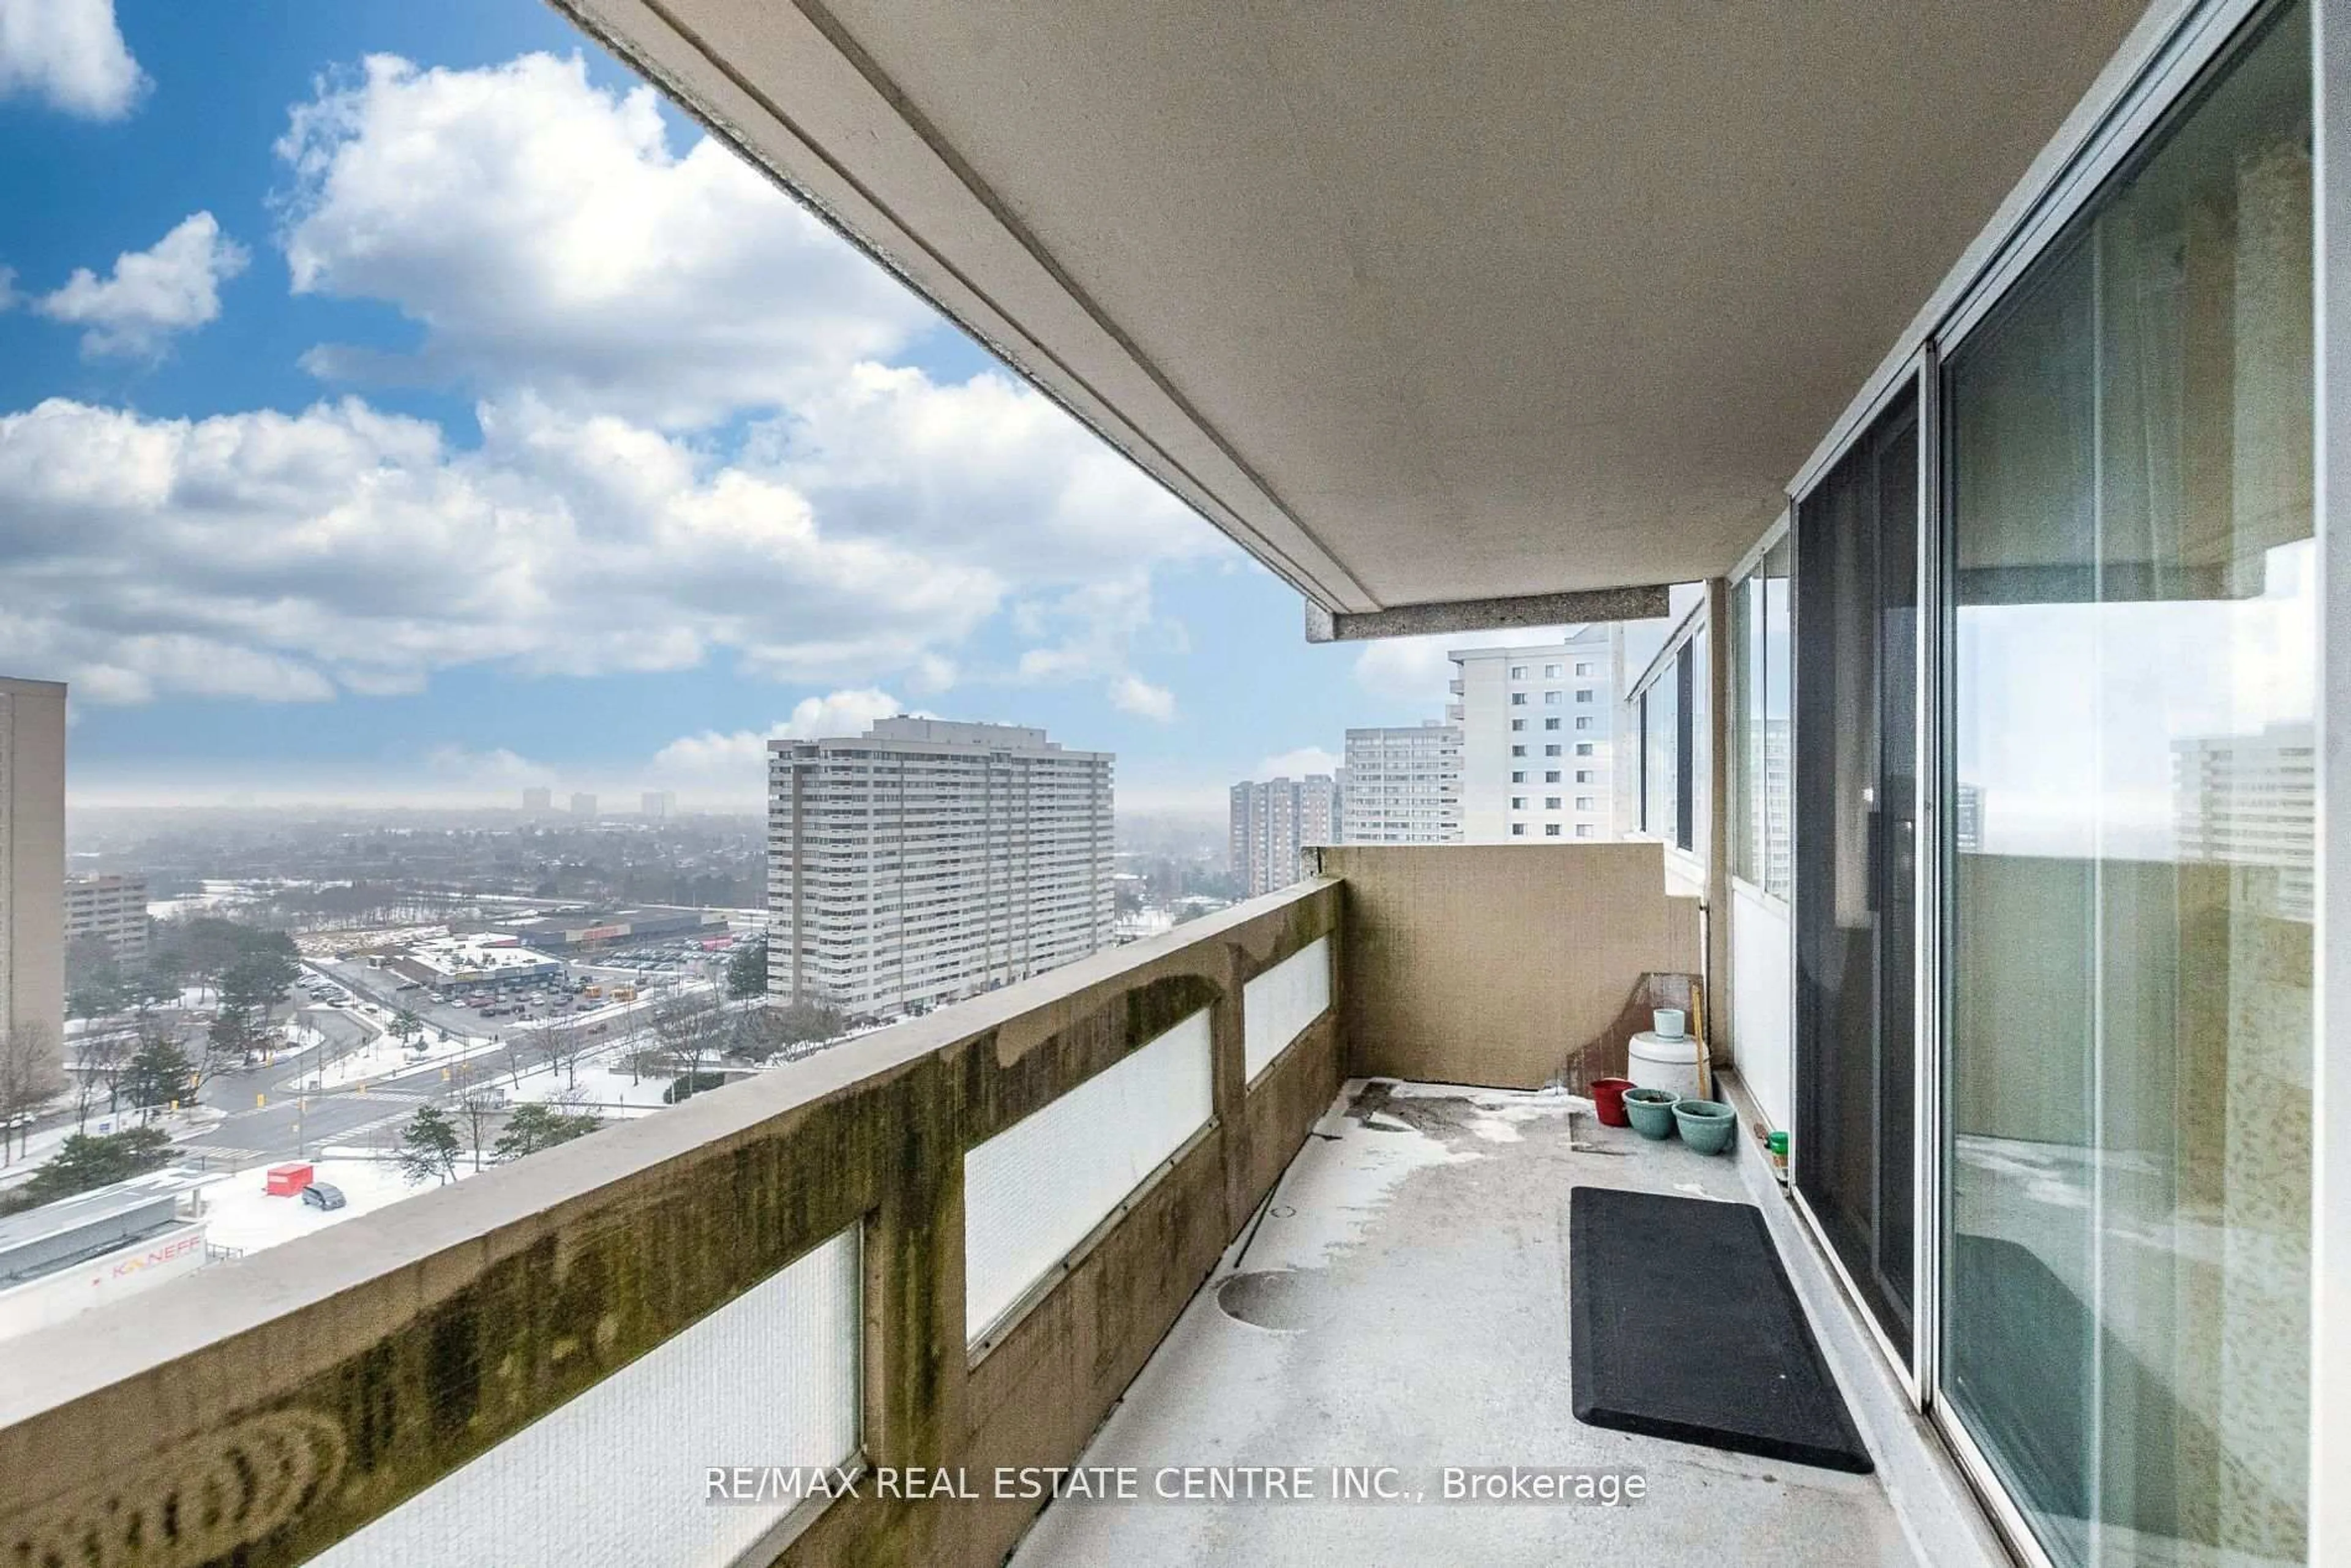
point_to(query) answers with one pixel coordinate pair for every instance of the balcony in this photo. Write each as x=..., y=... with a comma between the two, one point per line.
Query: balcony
x=1214, y=1199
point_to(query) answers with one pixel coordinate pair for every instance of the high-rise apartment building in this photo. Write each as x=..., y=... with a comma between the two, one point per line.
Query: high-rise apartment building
x=112, y=909
x=2251, y=800
x=925, y=861
x=1404, y=785
x=33, y=861
x=1967, y=819
x=1273, y=820
x=657, y=804
x=584, y=806
x=538, y=802
x=1537, y=738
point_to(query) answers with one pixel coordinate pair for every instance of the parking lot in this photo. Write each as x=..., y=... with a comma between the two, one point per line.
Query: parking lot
x=587, y=983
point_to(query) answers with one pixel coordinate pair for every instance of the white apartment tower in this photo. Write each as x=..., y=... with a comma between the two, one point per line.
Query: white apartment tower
x=1273, y=821
x=2253, y=800
x=925, y=861
x=1537, y=726
x=1404, y=785
x=33, y=862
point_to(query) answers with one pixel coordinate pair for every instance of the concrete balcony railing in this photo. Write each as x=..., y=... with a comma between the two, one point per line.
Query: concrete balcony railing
x=950, y=1244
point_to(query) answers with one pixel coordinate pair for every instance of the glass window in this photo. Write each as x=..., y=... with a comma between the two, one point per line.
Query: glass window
x=1584, y=748
x=1518, y=672
x=1550, y=776
x=1552, y=750
x=1518, y=724
x=2131, y=843
x=1760, y=751
x=1583, y=666
x=1584, y=802
x=1517, y=830
x=1551, y=672
x=1551, y=802
x=1551, y=829
x=1583, y=775
x=1519, y=778
x=1517, y=699
x=1584, y=694
x=1518, y=751
x=1518, y=802
x=1550, y=724
x=1550, y=699
x=1580, y=724
x=1583, y=829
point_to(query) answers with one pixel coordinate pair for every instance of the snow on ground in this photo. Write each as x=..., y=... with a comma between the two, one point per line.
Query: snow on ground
x=384, y=1056
x=603, y=1087
x=1324, y=1207
x=240, y=1213
x=46, y=1142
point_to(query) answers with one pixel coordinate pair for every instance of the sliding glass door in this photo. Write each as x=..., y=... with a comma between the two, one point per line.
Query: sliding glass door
x=1856, y=846
x=2125, y=1153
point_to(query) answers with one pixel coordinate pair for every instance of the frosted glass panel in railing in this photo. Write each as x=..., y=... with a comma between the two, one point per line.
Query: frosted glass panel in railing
x=616, y=1477
x=1031, y=1193
x=1277, y=1005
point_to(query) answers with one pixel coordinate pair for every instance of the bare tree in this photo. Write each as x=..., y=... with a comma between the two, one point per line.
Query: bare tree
x=522, y=1047
x=475, y=1105
x=689, y=1029
x=29, y=1077
x=563, y=1048
x=99, y=1063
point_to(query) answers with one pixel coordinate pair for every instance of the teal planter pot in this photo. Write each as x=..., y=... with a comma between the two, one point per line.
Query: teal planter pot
x=1651, y=1112
x=1706, y=1125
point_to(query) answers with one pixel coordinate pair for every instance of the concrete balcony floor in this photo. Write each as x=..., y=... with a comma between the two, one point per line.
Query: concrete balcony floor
x=1404, y=1303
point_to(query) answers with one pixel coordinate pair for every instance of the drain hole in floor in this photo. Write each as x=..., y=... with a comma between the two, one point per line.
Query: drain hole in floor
x=1285, y=1299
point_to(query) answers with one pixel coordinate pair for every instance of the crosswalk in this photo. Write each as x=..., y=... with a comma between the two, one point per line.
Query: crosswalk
x=218, y=1156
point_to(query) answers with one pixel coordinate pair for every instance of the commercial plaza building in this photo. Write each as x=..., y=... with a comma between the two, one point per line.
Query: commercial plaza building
x=1981, y=368
x=1538, y=737
x=1272, y=821
x=925, y=861
x=112, y=909
x=32, y=860
x=1404, y=785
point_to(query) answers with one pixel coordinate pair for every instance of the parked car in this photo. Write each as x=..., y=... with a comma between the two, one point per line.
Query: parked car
x=324, y=1195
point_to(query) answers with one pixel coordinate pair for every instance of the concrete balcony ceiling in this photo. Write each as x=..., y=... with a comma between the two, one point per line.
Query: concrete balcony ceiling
x=1422, y=301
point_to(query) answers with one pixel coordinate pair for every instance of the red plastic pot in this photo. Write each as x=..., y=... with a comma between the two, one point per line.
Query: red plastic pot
x=1608, y=1099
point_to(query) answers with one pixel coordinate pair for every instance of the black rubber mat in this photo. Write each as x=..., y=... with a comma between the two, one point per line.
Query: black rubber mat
x=1684, y=1325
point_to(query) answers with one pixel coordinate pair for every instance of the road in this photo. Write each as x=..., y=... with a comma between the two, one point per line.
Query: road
x=270, y=1115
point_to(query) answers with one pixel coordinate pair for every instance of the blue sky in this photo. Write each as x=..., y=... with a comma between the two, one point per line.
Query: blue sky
x=398, y=403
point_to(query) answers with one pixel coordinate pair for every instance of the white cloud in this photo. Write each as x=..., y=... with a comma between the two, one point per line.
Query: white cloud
x=1414, y=669
x=546, y=234
x=987, y=467
x=498, y=769
x=174, y=287
x=69, y=53
x=1089, y=633
x=734, y=763
x=282, y=556
x=1131, y=693
x=843, y=712
x=1298, y=764
x=559, y=250
x=8, y=294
